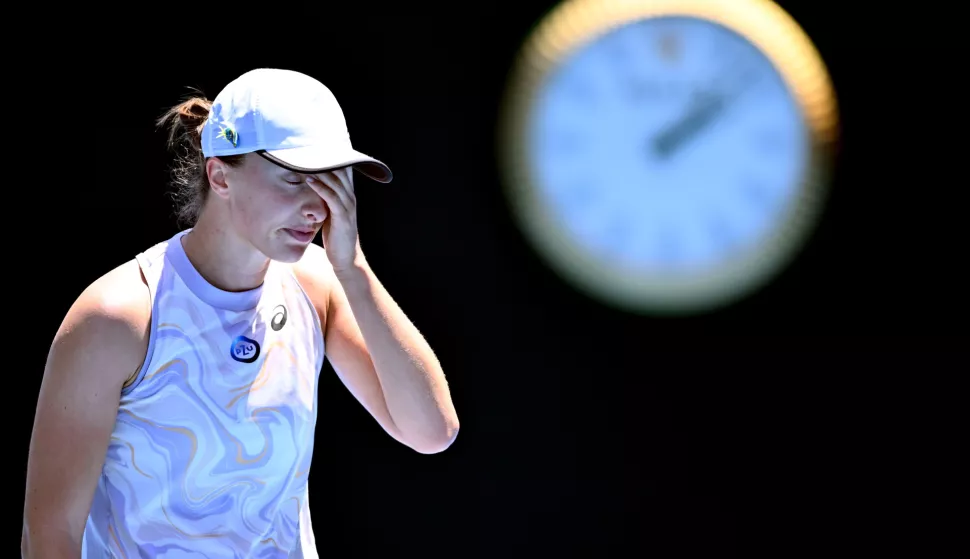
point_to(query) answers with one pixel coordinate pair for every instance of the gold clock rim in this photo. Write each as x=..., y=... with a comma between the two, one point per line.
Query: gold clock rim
x=575, y=23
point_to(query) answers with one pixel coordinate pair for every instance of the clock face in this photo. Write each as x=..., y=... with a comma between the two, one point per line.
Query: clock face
x=670, y=145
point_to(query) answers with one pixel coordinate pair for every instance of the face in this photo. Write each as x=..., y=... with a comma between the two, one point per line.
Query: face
x=272, y=208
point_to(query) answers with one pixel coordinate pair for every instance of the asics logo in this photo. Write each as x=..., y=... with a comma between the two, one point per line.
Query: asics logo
x=279, y=318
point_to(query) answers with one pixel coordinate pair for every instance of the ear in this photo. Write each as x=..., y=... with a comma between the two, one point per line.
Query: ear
x=216, y=170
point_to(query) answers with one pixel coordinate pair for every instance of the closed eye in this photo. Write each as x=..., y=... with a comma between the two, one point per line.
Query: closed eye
x=294, y=179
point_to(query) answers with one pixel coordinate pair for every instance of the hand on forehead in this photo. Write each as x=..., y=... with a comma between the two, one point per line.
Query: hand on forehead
x=345, y=175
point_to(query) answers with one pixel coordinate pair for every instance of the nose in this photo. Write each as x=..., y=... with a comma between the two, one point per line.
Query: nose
x=315, y=209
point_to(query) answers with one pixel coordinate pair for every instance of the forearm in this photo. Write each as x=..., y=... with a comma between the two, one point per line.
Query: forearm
x=49, y=543
x=414, y=386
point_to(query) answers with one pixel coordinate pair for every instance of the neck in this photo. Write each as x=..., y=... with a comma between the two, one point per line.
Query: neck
x=225, y=260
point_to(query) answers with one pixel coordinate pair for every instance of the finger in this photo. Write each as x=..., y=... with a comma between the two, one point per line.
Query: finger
x=348, y=180
x=334, y=203
x=346, y=176
x=338, y=186
x=343, y=176
x=335, y=184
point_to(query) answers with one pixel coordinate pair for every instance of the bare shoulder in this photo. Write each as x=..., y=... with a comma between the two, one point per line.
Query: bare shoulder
x=111, y=318
x=100, y=344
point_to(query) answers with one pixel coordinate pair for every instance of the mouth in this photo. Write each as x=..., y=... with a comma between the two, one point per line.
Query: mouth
x=302, y=235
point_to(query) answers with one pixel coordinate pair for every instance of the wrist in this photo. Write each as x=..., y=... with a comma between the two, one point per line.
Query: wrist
x=353, y=271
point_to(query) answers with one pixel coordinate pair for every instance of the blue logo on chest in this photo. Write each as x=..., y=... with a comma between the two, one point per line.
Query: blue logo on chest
x=244, y=349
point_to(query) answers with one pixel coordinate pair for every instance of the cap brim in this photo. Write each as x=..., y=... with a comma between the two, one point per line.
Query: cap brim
x=313, y=159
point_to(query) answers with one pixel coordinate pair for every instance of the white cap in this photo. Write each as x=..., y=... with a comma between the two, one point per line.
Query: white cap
x=287, y=117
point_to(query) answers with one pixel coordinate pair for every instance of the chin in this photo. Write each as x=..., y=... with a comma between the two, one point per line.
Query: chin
x=289, y=254
x=285, y=249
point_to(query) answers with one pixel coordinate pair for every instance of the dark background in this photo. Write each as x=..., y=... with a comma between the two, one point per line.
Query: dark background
x=765, y=428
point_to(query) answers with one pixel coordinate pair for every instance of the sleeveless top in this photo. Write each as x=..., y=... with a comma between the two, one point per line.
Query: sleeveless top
x=214, y=435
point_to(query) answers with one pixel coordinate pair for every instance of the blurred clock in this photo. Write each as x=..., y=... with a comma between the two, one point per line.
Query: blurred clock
x=667, y=156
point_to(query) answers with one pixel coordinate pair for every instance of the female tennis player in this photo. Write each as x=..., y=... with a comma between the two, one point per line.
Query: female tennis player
x=177, y=412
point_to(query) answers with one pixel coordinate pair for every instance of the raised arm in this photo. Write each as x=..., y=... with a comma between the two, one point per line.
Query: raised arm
x=100, y=344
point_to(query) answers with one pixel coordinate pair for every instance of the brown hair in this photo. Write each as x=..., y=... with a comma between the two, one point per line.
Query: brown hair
x=189, y=178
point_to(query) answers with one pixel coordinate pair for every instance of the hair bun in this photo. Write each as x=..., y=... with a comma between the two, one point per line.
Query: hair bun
x=193, y=114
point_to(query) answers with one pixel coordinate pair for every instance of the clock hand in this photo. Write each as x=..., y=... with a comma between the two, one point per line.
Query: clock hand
x=706, y=108
x=700, y=115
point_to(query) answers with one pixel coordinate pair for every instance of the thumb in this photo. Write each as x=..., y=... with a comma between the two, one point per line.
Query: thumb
x=325, y=232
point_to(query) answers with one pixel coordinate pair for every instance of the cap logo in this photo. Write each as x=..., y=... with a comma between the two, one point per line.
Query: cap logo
x=229, y=134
